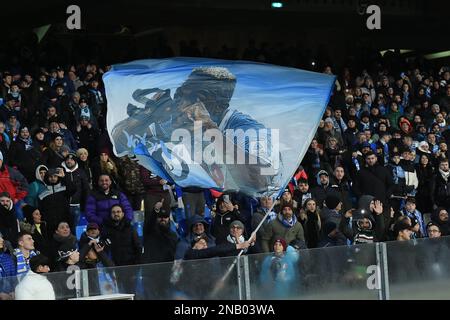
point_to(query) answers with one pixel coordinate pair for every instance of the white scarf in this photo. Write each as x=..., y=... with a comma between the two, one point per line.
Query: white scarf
x=233, y=239
x=444, y=174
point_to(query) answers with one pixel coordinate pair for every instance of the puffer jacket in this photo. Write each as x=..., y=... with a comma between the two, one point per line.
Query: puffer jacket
x=98, y=205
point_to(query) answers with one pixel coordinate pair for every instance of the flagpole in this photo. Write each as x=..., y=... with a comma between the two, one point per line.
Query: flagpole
x=219, y=285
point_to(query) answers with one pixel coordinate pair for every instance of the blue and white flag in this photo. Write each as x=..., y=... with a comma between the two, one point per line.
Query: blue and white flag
x=228, y=125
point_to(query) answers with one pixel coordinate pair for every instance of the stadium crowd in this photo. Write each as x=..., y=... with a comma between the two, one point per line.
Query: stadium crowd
x=377, y=170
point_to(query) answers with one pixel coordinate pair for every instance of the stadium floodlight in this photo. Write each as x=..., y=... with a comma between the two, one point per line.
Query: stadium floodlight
x=277, y=5
x=437, y=55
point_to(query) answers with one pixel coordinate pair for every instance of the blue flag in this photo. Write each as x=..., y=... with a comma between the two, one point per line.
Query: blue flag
x=228, y=125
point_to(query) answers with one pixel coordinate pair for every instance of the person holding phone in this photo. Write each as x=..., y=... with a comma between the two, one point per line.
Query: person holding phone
x=227, y=212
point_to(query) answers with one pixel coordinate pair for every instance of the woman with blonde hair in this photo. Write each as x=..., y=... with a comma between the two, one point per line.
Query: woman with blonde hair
x=105, y=165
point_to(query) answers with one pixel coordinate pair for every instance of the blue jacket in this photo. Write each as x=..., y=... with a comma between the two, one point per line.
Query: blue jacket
x=7, y=269
x=186, y=243
x=279, y=275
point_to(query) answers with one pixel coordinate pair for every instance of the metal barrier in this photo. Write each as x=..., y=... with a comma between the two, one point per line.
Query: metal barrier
x=416, y=269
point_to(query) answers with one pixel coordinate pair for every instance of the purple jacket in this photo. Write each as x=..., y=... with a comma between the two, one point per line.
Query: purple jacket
x=98, y=206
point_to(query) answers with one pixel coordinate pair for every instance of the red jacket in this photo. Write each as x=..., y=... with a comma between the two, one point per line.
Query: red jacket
x=13, y=182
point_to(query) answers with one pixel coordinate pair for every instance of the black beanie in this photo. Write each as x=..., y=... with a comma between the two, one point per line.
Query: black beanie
x=332, y=201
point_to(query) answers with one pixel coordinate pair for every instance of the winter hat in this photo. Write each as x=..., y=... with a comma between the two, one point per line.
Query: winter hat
x=65, y=250
x=365, y=114
x=105, y=150
x=287, y=205
x=332, y=201
x=92, y=225
x=422, y=145
x=322, y=172
x=163, y=213
x=329, y=120
x=404, y=120
x=72, y=156
x=57, y=135
x=283, y=243
x=5, y=194
x=238, y=224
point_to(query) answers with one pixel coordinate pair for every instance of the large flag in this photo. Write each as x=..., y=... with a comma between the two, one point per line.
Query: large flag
x=228, y=125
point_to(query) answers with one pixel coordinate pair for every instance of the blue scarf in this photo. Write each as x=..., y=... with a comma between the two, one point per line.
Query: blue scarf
x=23, y=264
x=286, y=223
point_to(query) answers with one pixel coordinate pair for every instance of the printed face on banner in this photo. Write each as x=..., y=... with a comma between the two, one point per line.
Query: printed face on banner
x=214, y=123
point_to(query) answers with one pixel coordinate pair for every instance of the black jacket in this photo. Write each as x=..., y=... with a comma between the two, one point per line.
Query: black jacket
x=8, y=225
x=220, y=227
x=54, y=204
x=441, y=191
x=160, y=243
x=25, y=160
x=79, y=179
x=125, y=247
x=375, y=181
x=216, y=251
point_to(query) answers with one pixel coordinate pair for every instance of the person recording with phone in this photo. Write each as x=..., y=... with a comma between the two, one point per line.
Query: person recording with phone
x=54, y=200
x=226, y=213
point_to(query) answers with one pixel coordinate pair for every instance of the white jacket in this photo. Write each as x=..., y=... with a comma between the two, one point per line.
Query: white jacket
x=34, y=286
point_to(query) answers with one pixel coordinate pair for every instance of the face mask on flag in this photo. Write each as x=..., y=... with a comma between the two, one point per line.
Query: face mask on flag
x=227, y=125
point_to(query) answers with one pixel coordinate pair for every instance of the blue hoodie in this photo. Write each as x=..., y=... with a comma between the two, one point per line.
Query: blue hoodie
x=185, y=243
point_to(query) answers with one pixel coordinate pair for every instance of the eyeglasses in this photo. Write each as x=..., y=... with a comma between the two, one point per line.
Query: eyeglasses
x=235, y=227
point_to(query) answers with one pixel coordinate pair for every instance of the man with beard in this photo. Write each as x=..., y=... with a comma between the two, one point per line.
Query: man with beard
x=54, y=201
x=441, y=185
x=23, y=155
x=79, y=179
x=285, y=226
x=160, y=241
x=373, y=179
x=440, y=218
x=8, y=220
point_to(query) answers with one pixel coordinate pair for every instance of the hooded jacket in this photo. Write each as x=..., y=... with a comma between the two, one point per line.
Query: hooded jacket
x=79, y=179
x=444, y=226
x=54, y=203
x=36, y=187
x=13, y=182
x=185, y=244
x=25, y=157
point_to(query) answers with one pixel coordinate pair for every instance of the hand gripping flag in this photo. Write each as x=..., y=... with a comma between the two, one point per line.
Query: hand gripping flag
x=227, y=125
